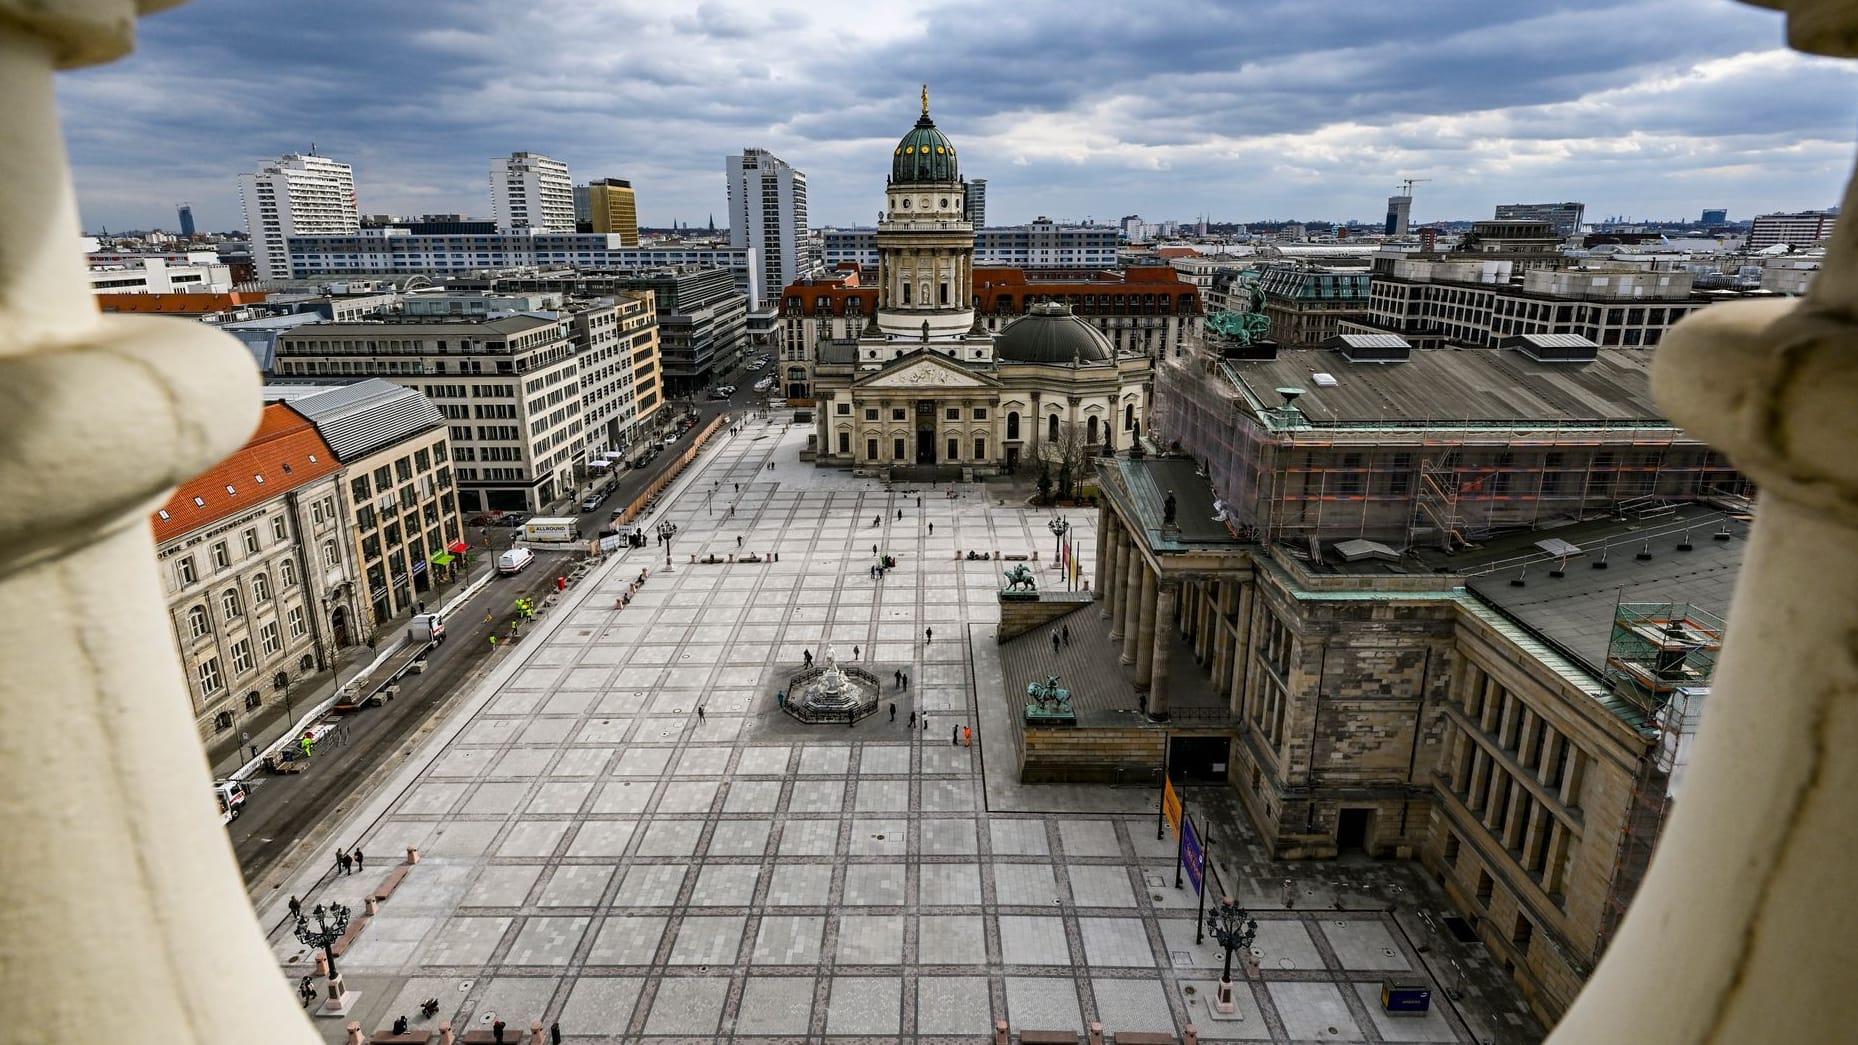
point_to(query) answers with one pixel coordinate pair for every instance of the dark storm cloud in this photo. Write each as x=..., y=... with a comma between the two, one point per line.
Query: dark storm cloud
x=1169, y=107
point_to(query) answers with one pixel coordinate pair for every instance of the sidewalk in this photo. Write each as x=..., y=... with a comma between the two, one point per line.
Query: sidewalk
x=230, y=751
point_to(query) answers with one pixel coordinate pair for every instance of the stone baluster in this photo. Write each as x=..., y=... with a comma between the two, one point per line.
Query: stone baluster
x=122, y=905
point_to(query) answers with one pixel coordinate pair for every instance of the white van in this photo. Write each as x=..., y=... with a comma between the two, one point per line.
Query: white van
x=515, y=560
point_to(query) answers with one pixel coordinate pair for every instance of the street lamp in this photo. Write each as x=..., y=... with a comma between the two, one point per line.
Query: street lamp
x=1235, y=929
x=1058, y=526
x=281, y=683
x=666, y=531
x=331, y=923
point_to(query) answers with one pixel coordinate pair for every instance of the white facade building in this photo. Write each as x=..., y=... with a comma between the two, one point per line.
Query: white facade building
x=531, y=191
x=295, y=195
x=1043, y=244
x=1795, y=230
x=767, y=213
x=128, y=274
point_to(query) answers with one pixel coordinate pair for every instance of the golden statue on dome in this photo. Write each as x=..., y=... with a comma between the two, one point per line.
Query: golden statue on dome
x=925, y=99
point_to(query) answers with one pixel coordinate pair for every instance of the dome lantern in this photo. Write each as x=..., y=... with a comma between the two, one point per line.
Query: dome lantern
x=924, y=154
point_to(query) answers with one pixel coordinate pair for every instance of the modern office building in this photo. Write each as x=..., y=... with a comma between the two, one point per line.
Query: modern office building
x=531, y=191
x=398, y=503
x=186, y=215
x=1565, y=217
x=1796, y=230
x=767, y=213
x=613, y=208
x=295, y=195
x=394, y=251
x=977, y=205
x=1714, y=216
x=202, y=273
x=1308, y=303
x=1041, y=244
x=1399, y=216
x=530, y=398
x=259, y=572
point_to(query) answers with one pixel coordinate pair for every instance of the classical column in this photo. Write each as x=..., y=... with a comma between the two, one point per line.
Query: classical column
x=1129, y=613
x=1166, y=598
x=1109, y=570
x=1103, y=552
x=1145, y=631
x=122, y=906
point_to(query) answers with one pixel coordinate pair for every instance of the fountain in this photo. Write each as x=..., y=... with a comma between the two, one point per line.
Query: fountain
x=834, y=693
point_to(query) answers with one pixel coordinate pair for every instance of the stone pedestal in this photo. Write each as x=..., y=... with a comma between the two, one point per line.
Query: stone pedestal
x=1222, y=1001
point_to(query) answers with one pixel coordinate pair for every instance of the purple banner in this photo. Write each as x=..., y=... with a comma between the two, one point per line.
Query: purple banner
x=1195, y=858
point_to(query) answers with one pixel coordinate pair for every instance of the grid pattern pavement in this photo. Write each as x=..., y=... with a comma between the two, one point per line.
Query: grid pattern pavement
x=594, y=852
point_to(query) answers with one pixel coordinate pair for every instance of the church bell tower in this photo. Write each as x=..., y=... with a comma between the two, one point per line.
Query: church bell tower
x=925, y=243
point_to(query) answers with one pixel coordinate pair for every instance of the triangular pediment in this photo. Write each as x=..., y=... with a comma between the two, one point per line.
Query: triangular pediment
x=926, y=370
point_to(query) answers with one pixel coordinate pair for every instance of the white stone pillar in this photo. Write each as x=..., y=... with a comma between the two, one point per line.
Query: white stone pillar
x=121, y=907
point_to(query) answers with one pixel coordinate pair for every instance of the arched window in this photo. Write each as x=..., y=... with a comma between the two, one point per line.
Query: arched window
x=229, y=601
x=253, y=700
x=1128, y=416
x=1012, y=425
x=222, y=721
x=261, y=588
x=1051, y=428
x=288, y=571
x=305, y=662
x=197, y=625
x=331, y=557
x=1090, y=431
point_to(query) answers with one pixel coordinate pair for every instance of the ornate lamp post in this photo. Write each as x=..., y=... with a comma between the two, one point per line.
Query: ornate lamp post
x=1058, y=526
x=1235, y=929
x=666, y=531
x=331, y=923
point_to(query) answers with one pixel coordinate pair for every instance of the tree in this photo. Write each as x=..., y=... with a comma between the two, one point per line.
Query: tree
x=1045, y=481
x=1069, y=455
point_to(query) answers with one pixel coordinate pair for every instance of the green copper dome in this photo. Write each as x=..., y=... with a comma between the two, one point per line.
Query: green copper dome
x=924, y=154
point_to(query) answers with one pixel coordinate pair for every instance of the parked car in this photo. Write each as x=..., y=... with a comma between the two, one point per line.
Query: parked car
x=512, y=519
x=592, y=501
x=514, y=561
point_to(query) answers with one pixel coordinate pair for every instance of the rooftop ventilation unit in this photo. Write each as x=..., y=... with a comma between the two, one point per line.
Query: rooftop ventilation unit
x=1553, y=348
x=1372, y=348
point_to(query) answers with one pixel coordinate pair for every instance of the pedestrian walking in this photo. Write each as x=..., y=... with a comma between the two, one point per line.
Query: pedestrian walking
x=856, y=655
x=932, y=529
x=874, y=520
x=893, y=711
x=358, y=858
x=954, y=738
x=699, y=710
x=928, y=636
x=967, y=736
x=899, y=513
x=899, y=677
x=906, y=680
x=874, y=549
x=919, y=501
x=780, y=698
x=554, y=1033
x=808, y=656
x=348, y=864
x=339, y=857
x=493, y=642
x=296, y=908
x=912, y=720
x=738, y=541
x=496, y=1032
x=1054, y=642
x=1066, y=631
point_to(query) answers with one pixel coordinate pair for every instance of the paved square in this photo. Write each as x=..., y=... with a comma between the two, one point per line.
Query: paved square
x=593, y=853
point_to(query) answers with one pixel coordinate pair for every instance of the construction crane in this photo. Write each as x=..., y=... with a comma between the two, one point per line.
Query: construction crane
x=1406, y=185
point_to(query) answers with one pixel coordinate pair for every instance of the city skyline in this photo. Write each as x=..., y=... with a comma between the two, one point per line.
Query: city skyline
x=1183, y=110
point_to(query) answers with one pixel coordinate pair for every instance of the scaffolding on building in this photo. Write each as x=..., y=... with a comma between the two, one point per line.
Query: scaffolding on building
x=1661, y=656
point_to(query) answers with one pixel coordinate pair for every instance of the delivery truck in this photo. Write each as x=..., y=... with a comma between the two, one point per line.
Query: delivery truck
x=552, y=529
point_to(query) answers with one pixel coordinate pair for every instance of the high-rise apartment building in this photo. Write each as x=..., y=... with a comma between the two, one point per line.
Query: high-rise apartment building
x=295, y=195
x=1399, y=214
x=976, y=191
x=767, y=211
x=614, y=209
x=1565, y=217
x=187, y=221
x=531, y=191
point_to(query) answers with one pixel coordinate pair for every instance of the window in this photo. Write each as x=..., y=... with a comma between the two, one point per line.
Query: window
x=954, y=449
x=253, y=701
x=897, y=414
x=268, y=639
x=331, y=557
x=229, y=602
x=251, y=542
x=843, y=409
x=1128, y=416
x=870, y=449
x=845, y=442
x=287, y=570
x=184, y=569
x=1012, y=425
x=210, y=681
x=1523, y=934
x=197, y=624
x=221, y=558
x=242, y=656
x=870, y=413
x=980, y=413
x=1485, y=886
x=953, y=413
x=1090, y=430
x=261, y=589
x=278, y=531
x=1051, y=428
x=297, y=630
x=980, y=449
x=896, y=449
x=223, y=720
x=1451, y=849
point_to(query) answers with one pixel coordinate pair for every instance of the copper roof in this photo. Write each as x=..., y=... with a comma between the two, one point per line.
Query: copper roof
x=285, y=453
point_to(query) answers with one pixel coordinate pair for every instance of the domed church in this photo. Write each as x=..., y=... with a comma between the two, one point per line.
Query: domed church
x=925, y=391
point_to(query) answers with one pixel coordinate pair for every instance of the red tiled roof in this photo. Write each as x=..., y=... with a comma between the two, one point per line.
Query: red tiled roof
x=179, y=302
x=1175, y=252
x=286, y=452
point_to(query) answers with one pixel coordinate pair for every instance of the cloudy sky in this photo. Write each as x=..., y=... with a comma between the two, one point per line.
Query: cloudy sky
x=1166, y=108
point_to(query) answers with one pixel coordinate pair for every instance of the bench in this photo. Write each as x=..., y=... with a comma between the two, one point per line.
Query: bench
x=1135, y=1038
x=411, y=1037
x=390, y=883
x=354, y=929
x=511, y=1036
x=1048, y=1037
